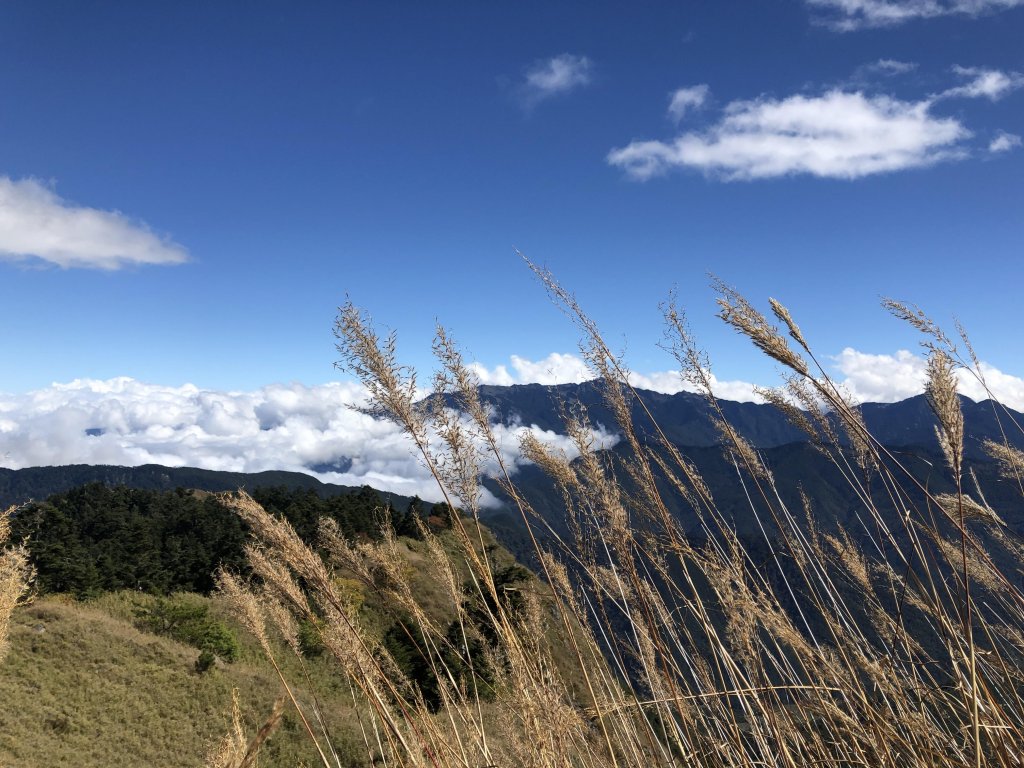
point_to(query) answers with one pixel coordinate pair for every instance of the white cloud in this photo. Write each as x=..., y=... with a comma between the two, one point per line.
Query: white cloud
x=881, y=378
x=555, y=76
x=991, y=84
x=683, y=100
x=670, y=382
x=558, y=368
x=890, y=378
x=288, y=427
x=37, y=223
x=835, y=135
x=1004, y=142
x=847, y=15
x=554, y=369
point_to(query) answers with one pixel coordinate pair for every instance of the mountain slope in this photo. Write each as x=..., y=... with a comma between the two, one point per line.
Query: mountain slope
x=84, y=687
x=685, y=418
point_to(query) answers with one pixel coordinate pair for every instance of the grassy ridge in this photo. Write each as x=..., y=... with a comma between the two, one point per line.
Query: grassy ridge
x=87, y=684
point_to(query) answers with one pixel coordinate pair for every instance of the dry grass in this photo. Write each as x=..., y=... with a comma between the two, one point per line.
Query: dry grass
x=897, y=645
x=82, y=686
x=15, y=578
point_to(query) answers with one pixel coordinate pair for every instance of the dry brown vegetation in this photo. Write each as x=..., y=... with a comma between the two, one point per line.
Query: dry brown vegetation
x=643, y=648
x=84, y=686
x=15, y=578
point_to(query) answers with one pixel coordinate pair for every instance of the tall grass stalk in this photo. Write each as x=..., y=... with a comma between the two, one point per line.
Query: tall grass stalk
x=657, y=635
x=16, y=576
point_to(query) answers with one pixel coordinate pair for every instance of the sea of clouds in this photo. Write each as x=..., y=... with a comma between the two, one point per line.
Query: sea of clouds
x=319, y=429
x=312, y=429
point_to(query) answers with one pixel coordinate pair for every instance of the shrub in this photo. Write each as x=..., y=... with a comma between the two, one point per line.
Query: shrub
x=310, y=641
x=187, y=619
x=206, y=661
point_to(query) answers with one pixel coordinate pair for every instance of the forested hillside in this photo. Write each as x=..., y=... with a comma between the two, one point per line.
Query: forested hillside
x=20, y=485
x=97, y=538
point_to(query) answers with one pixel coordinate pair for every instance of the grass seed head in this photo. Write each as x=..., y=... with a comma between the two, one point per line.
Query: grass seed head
x=941, y=390
x=736, y=311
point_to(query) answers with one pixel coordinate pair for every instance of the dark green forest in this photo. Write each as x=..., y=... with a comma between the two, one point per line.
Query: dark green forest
x=98, y=538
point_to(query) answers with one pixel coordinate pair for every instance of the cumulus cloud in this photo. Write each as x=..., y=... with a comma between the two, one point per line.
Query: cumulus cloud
x=838, y=134
x=848, y=15
x=991, y=84
x=556, y=368
x=287, y=427
x=890, y=378
x=683, y=100
x=36, y=223
x=555, y=76
x=559, y=368
x=881, y=378
x=1004, y=142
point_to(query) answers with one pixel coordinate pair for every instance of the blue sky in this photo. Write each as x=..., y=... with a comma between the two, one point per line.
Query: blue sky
x=191, y=189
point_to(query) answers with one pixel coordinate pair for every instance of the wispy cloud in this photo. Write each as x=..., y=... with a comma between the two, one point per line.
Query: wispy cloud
x=894, y=66
x=849, y=15
x=873, y=76
x=553, y=77
x=835, y=135
x=991, y=84
x=36, y=223
x=867, y=75
x=1004, y=142
x=684, y=100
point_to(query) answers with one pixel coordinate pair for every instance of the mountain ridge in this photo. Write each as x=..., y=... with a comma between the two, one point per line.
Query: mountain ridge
x=18, y=486
x=684, y=417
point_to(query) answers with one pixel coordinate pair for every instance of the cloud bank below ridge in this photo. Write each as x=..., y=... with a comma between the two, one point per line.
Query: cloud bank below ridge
x=311, y=429
x=315, y=429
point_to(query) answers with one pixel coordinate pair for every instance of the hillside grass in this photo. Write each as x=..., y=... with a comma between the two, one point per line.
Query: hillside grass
x=86, y=685
x=82, y=686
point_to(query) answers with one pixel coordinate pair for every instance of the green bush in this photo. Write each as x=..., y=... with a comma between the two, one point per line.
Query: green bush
x=187, y=619
x=309, y=639
x=205, y=661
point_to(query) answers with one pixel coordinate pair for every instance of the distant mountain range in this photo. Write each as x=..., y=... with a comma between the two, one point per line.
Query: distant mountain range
x=906, y=429
x=685, y=417
x=190, y=524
